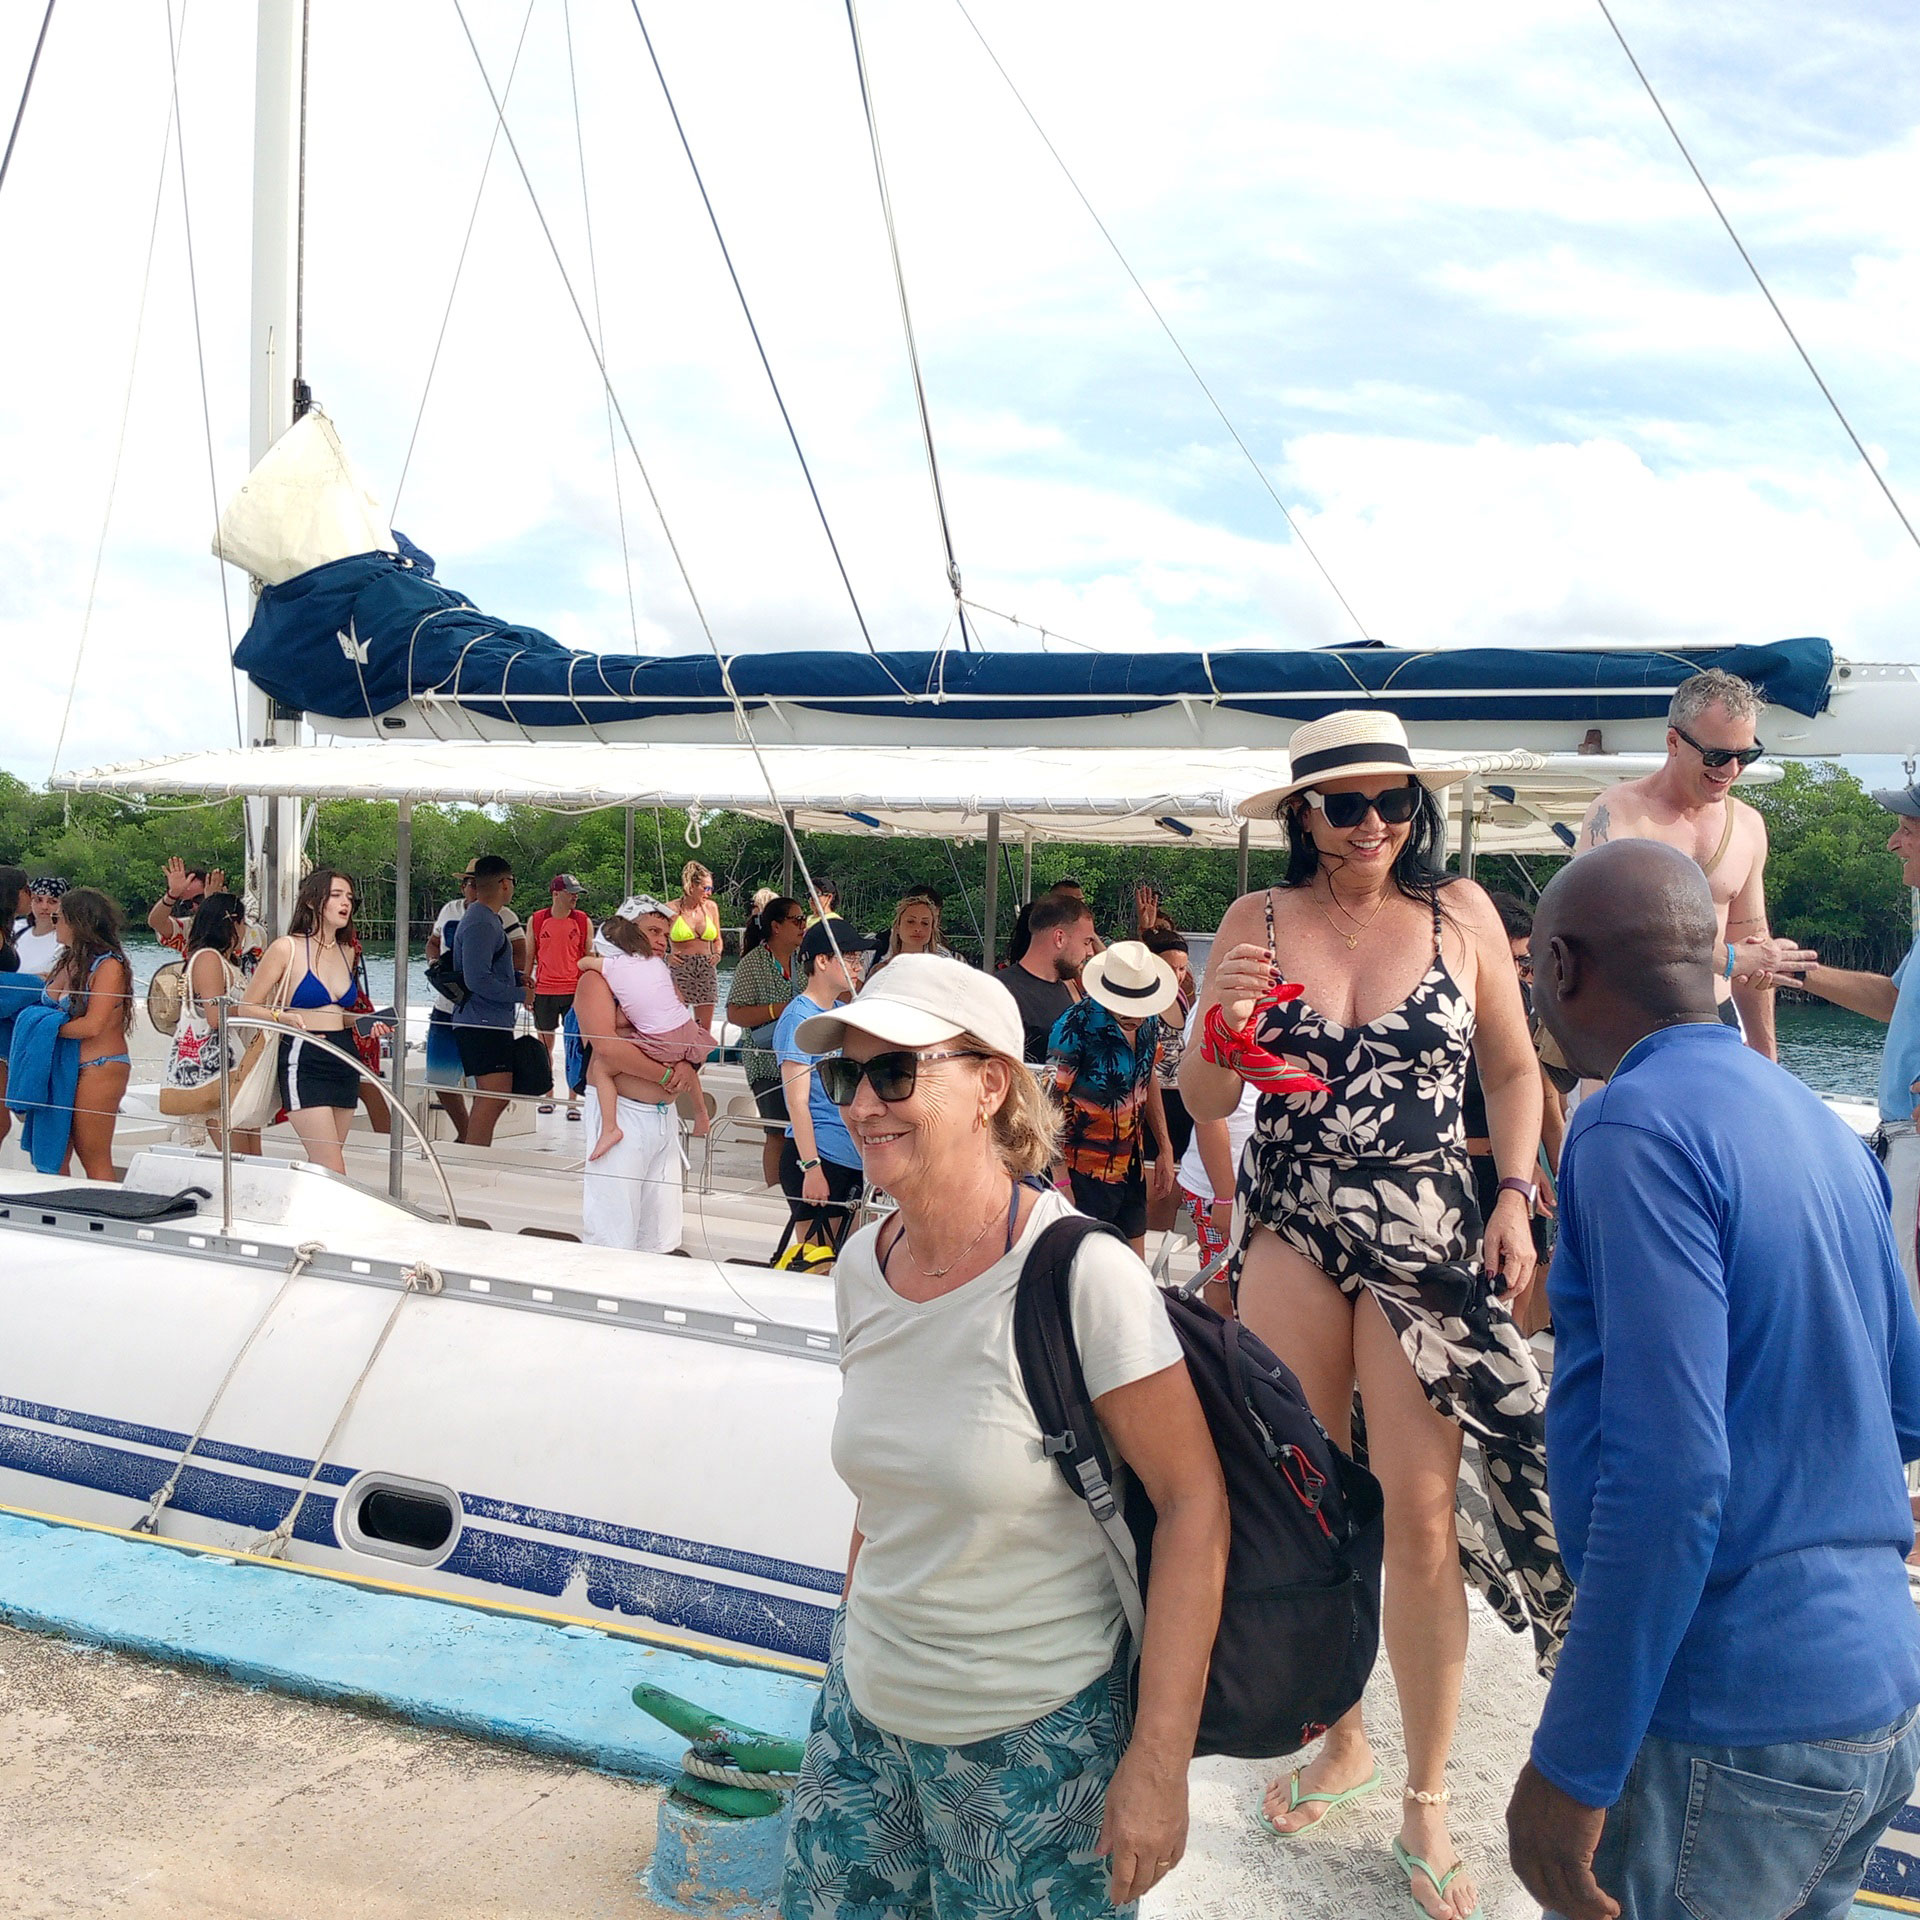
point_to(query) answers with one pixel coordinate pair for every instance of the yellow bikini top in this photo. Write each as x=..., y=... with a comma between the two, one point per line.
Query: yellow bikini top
x=681, y=931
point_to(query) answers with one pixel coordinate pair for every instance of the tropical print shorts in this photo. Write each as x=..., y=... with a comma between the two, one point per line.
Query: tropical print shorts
x=1001, y=1829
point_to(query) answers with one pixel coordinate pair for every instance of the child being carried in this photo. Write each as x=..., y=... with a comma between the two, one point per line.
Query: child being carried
x=665, y=1034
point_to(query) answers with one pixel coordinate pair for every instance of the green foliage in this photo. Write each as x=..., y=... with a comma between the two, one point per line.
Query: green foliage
x=1830, y=880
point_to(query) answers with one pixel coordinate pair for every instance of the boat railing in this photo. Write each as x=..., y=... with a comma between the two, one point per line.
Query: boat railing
x=231, y=1018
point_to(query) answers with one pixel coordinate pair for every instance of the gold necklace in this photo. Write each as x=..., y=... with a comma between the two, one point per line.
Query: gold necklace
x=1352, y=939
x=940, y=1273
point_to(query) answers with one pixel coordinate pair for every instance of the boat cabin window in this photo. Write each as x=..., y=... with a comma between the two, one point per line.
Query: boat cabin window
x=395, y=1518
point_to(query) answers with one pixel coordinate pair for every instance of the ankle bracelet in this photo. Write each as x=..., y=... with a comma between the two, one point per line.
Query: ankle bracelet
x=1439, y=1799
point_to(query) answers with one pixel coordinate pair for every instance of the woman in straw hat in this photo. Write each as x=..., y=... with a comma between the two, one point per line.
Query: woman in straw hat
x=1361, y=1255
x=974, y=1749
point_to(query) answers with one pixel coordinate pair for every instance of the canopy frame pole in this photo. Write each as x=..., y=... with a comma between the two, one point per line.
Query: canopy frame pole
x=786, y=857
x=1469, y=796
x=1026, y=869
x=991, y=904
x=626, y=869
x=1240, y=859
x=402, y=953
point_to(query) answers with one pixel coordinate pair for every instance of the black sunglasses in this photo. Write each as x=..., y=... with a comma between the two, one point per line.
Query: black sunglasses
x=1719, y=756
x=892, y=1076
x=1395, y=805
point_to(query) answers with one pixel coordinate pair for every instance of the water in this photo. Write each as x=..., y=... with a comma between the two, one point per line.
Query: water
x=1832, y=1050
x=147, y=955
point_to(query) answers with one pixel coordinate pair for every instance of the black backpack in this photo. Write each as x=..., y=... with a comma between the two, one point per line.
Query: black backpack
x=1300, y=1619
x=444, y=977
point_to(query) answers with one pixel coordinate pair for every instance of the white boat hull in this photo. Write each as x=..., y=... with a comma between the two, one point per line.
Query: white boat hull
x=618, y=1437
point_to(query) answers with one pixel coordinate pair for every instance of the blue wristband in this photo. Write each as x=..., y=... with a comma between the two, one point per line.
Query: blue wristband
x=1729, y=959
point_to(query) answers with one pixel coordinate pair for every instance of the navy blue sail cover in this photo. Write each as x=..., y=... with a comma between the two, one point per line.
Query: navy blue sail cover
x=361, y=636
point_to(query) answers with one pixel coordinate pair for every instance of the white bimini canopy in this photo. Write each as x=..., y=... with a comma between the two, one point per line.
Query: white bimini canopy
x=1521, y=802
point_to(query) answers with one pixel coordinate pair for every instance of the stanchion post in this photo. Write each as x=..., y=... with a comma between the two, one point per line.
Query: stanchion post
x=225, y=1004
x=402, y=953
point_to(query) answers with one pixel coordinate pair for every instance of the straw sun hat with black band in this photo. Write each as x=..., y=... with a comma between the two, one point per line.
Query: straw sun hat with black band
x=1358, y=741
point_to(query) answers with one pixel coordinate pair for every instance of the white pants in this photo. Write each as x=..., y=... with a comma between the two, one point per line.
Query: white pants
x=632, y=1196
x=1903, y=1175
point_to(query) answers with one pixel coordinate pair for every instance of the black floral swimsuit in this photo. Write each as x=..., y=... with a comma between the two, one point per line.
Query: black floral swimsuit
x=1371, y=1183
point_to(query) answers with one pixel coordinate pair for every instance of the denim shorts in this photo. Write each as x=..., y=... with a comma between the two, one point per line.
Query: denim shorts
x=1004, y=1829
x=1754, y=1833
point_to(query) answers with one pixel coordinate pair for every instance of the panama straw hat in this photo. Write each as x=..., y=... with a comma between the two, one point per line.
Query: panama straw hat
x=1358, y=740
x=1130, y=978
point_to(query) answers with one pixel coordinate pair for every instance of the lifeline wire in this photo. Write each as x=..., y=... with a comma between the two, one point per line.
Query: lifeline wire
x=200, y=360
x=20, y=112
x=1260, y=473
x=741, y=719
x=599, y=322
x=459, y=267
x=906, y=323
x=1880, y=479
x=120, y=441
x=760, y=348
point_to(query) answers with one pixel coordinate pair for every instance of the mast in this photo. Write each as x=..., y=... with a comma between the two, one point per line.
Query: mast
x=273, y=826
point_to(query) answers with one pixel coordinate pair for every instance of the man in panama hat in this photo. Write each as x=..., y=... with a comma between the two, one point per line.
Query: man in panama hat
x=1102, y=1053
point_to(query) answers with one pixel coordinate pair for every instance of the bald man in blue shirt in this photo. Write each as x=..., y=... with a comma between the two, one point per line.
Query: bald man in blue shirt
x=1732, y=1724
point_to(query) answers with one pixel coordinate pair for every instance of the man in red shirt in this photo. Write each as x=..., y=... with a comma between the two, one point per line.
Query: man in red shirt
x=558, y=938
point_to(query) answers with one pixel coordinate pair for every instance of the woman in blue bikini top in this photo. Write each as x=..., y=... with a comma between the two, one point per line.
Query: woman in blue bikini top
x=93, y=982
x=318, y=955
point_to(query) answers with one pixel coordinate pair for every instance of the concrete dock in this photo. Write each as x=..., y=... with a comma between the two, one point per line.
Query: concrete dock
x=130, y=1788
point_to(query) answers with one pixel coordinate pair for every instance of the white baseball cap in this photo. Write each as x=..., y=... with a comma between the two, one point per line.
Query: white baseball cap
x=919, y=1000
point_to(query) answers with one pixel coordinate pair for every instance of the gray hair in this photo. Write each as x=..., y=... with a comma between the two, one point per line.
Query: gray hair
x=1691, y=698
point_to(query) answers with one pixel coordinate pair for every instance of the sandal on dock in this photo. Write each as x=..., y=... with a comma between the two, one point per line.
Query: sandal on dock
x=1333, y=1802
x=1411, y=1863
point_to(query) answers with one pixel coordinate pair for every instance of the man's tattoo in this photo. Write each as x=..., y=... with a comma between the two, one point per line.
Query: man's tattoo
x=1597, y=826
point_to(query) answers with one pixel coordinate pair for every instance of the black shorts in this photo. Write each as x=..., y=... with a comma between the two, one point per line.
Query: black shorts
x=549, y=1009
x=828, y=1221
x=323, y=1073
x=484, y=1050
x=772, y=1102
x=1179, y=1125
x=1120, y=1203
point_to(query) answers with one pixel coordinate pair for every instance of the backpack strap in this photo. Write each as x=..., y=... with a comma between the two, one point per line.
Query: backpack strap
x=1056, y=1386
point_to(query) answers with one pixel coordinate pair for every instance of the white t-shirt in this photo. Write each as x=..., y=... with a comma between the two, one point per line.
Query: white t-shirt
x=445, y=923
x=983, y=1597
x=1193, y=1172
x=38, y=951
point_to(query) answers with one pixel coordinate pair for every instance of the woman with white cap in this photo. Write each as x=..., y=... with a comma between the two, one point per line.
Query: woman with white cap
x=1361, y=1254
x=971, y=1750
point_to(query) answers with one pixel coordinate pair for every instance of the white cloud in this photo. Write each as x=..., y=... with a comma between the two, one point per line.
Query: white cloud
x=1443, y=267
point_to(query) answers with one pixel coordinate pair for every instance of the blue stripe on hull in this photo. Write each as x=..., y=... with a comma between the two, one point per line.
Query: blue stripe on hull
x=168, y=1441
x=683, y=1601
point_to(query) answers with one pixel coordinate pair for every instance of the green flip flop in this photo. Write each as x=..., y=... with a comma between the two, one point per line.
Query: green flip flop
x=1411, y=1863
x=1332, y=1801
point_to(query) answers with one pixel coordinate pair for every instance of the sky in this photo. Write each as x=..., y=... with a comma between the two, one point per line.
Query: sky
x=1441, y=266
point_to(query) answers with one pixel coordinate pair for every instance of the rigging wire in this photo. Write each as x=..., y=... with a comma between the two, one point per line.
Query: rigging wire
x=302, y=396
x=906, y=322
x=599, y=323
x=1139, y=286
x=759, y=347
x=459, y=267
x=1759, y=280
x=26, y=92
x=120, y=441
x=200, y=357
x=741, y=718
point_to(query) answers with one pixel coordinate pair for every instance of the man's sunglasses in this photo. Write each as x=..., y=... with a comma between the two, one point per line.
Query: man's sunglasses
x=1719, y=756
x=1395, y=805
x=891, y=1075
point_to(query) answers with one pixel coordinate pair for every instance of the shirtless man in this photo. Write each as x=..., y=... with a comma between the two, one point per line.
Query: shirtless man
x=1689, y=803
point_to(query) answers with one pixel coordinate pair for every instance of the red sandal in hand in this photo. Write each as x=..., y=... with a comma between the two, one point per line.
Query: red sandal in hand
x=1239, y=1052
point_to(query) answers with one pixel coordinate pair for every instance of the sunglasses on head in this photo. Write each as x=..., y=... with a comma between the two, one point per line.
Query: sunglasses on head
x=892, y=1076
x=1719, y=756
x=1395, y=805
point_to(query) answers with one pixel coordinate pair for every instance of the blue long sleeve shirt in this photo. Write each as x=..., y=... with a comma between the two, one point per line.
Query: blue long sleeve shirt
x=484, y=955
x=1736, y=1385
